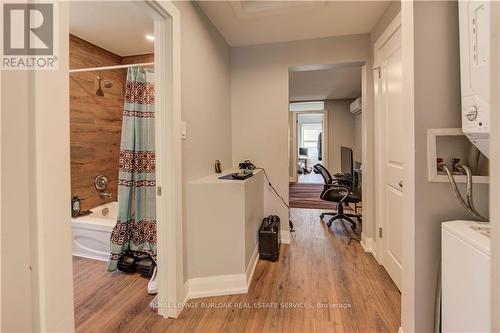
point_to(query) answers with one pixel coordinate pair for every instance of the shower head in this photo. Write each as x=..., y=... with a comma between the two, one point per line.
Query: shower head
x=99, y=91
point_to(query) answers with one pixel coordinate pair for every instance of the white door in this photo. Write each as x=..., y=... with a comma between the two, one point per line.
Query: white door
x=390, y=145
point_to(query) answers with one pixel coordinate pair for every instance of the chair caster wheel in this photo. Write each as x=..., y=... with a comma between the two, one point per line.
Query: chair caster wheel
x=329, y=224
x=321, y=216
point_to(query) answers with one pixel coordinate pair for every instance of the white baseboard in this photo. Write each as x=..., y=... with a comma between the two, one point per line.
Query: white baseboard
x=219, y=285
x=186, y=292
x=252, y=264
x=285, y=236
x=367, y=243
x=90, y=256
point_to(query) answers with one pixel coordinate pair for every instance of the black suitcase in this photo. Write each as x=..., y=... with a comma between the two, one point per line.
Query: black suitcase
x=269, y=238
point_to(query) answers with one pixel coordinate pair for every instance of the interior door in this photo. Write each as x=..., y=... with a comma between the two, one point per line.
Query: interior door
x=391, y=145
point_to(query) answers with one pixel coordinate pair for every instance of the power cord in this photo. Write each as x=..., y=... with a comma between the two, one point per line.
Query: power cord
x=290, y=223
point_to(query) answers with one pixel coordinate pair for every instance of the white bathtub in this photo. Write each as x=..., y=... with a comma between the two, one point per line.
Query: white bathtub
x=91, y=233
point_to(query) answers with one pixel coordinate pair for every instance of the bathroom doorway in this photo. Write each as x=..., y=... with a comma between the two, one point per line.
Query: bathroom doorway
x=123, y=120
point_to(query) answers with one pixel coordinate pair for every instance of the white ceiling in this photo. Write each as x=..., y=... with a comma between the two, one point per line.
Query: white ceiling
x=335, y=82
x=247, y=22
x=117, y=26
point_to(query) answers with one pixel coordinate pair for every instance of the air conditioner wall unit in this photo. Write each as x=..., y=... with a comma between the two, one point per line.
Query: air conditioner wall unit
x=356, y=106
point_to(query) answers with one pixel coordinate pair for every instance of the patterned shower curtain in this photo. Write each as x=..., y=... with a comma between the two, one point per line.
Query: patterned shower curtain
x=136, y=226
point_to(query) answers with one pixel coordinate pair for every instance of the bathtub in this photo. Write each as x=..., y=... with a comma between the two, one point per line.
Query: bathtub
x=91, y=233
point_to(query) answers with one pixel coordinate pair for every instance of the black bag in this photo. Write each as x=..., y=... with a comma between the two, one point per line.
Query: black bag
x=269, y=238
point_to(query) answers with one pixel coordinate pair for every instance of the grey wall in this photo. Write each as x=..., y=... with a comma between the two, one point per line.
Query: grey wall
x=205, y=98
x=340, y=131
x=390, y=13
x=18, y=286
x=437, y=105
x=259, y=101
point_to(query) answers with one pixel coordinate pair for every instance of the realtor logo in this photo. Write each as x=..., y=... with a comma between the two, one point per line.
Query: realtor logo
x=29, y=36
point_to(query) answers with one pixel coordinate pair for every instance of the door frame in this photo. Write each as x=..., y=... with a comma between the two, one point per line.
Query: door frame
x=495, y=165
x=168, y=124
x=294, y=138
x=379, y=175
x=53, y=288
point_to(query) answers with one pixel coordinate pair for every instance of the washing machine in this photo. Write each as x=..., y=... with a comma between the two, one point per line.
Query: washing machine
x=465, y=276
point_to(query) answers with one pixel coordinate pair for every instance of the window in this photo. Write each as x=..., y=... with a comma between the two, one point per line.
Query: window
x=307, y=106
x=310, y=134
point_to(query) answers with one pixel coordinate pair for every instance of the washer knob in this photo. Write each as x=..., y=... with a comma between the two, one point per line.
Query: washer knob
x=471, y=112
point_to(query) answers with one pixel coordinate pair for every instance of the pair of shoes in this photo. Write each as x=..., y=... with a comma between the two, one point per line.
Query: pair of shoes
x=153, y=283
x=140, y=262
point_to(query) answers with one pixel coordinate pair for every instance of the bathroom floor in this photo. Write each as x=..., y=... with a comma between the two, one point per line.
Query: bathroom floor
x=318, y=267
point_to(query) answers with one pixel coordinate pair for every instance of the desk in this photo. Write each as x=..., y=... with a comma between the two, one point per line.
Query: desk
x=223, y=218
x=304, y=159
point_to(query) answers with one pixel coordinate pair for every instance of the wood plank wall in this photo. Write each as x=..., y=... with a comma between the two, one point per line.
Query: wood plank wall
x=95, y=121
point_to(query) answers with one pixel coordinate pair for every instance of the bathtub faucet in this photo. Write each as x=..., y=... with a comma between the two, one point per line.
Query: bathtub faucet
x=105, y=194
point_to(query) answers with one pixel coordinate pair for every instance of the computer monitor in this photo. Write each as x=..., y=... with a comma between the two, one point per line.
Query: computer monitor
x=303, y=151
x=346, y=162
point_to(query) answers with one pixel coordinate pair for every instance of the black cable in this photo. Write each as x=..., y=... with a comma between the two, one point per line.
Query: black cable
x=290, y=224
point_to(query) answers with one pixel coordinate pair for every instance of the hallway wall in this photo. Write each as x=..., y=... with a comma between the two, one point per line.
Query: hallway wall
x=259, y=101
x=341, y=131
x=437, y=105
x=205, y=94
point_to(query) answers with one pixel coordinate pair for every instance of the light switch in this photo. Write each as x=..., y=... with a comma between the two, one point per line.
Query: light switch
x=183, y=131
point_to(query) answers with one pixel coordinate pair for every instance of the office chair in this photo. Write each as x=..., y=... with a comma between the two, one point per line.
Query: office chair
x=342, y=191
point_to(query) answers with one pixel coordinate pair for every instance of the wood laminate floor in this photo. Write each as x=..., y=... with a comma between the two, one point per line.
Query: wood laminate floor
x=317, y=268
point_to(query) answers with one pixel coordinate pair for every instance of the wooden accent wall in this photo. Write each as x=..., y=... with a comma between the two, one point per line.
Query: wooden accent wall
x=138, y=59
x=95, y=121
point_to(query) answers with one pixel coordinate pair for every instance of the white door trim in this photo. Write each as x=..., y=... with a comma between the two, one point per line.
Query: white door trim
x=168, y=157
x=294, y=137
x=293, y=148
x=386, y=35
x=408, y=315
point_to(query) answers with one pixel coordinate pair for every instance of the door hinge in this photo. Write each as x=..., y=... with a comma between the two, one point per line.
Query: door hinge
x=380, y=232
x=158, y=190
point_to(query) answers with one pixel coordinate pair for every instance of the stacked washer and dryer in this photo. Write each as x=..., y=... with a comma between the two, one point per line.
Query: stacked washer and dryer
x=465, y=265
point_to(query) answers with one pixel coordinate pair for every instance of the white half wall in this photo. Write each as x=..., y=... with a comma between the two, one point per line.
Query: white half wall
x=205, y=100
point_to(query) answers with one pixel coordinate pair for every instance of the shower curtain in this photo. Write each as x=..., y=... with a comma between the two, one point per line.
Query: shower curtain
x=136, y=225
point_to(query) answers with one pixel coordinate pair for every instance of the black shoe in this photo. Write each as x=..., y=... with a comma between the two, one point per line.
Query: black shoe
x=126, y=263
x=145, y=266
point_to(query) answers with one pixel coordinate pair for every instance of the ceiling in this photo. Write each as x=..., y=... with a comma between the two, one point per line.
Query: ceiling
x=332, y=82
x=117, y=26
x=247, y=22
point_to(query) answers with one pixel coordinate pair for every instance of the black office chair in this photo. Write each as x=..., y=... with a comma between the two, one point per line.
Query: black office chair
x=343, y=191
